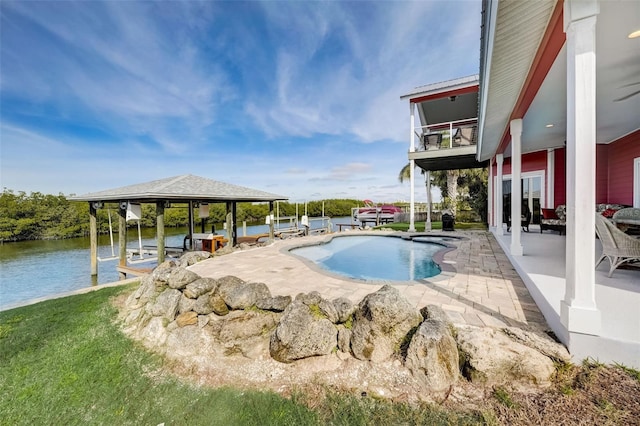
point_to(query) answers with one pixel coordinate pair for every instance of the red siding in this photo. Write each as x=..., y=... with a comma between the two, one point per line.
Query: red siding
x=620, y=165
x=602, y=174
x=530, y=162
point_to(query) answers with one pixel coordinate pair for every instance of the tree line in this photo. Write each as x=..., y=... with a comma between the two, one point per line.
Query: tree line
x=38, y=216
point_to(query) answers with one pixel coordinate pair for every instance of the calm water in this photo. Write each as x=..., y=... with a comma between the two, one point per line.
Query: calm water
x=375, y=258
x=33, y=269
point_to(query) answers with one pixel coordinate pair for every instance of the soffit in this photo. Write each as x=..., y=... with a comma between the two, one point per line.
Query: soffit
x=519, y=28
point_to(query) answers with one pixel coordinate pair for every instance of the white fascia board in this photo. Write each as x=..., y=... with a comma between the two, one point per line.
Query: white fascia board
x=490, y=26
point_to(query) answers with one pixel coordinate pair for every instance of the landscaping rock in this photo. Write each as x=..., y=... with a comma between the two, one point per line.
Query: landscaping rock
x=329, y=310
x=199, y=287
x=490, y=357
x=185, y=304
x=227, y=284
x=202, y=305
x=180, y=277
x=247, y=332
x=302, y=333
x=275, y=303
x=193, y=257
x=344, y=339
x=166, y=304
x=188, y=318
x=432, y=355
x=246, y=295
x=543, y=344
x=381, y=324
x=344, y=307
x=217, y=305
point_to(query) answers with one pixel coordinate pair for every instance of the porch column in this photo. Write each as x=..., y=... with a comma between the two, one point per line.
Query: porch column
x=412, y=165
x=551, y=178
x=516, y=185
x=490, y=201
x=427, y=225
x=499, y=197
x=578, y=311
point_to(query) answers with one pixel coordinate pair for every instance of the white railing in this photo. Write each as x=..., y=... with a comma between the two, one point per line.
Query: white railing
x=451, y=134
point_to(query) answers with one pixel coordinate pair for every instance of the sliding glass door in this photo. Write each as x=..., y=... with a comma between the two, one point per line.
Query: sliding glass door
x=532, y=190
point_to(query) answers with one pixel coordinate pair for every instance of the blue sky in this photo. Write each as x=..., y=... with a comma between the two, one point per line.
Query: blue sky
x=295, y=98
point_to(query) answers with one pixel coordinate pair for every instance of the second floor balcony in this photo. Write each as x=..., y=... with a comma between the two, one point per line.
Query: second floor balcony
x=446, y=146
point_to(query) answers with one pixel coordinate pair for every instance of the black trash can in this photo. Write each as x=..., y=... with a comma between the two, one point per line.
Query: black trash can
x=447, y=222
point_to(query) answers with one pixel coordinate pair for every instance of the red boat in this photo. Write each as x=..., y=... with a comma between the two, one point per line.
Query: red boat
x=377, y=214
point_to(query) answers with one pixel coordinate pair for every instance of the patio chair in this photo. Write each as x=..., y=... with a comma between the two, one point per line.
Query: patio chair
x=617, y=246
x=432, y=139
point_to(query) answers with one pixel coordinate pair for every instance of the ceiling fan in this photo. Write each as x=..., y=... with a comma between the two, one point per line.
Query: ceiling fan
x=630, y=95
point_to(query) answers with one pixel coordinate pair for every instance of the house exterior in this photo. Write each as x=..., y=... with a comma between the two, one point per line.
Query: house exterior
x=558, y=123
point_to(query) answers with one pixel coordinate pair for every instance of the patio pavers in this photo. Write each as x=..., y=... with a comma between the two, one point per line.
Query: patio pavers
x=484, y=290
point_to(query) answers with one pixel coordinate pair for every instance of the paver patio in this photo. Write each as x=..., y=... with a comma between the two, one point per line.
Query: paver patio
x=482, y=289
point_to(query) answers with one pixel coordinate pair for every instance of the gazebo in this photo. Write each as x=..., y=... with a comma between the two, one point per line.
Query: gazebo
x=184, y=189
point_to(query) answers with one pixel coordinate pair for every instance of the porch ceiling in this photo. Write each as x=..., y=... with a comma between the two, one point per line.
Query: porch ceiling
x=519, y=27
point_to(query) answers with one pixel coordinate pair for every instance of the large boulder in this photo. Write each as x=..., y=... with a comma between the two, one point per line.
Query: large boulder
x=180, y=277
x=193, y=257
x=227, y=284
x=247, y=332
x=382, y=323
x=275, y=303
x=432, y=355
x=166, y=304
x=304, y=331
x=492, y=358
x=199, y=287
x=542, y=343
x=246, y=295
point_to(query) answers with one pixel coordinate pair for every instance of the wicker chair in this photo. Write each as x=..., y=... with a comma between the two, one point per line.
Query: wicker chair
x=617, y=246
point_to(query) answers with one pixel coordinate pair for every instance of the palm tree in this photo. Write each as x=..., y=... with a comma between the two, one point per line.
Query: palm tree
x=439, y=178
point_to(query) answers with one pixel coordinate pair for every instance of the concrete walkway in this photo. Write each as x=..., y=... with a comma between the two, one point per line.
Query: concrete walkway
x=482, y=288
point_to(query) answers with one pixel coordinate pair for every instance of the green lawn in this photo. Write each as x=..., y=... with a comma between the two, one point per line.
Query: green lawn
x=404, y=226
x=65, y=362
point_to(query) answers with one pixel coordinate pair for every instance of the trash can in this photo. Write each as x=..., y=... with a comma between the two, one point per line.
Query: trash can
x=447, y=222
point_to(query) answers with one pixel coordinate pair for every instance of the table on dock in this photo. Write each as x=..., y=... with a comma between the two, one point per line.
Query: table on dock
x=350, y=225
x=210, y=242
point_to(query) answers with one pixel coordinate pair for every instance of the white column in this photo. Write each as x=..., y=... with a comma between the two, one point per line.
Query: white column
x=412, y=165
x=516, y=186
x=490, y=201
x=499, y=197
x=427, y=225
x=551, y=177
x=578, y=311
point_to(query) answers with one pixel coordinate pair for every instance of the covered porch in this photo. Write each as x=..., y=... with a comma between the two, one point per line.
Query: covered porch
x=542, y=269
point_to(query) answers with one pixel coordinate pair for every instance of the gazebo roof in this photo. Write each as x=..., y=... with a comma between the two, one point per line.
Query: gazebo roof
x=181, y=188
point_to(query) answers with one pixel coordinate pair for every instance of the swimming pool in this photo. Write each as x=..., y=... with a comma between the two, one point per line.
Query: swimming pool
x=369, y=257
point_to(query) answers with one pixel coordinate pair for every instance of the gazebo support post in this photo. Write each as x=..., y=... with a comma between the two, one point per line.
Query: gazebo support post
x=229, y=222
x=122, y=237
x=160, y=230
x=191, y=243
x=234, y=227
x=93, y=238
x=271, y=230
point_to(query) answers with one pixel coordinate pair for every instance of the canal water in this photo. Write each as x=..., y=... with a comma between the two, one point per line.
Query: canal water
x=35, y=269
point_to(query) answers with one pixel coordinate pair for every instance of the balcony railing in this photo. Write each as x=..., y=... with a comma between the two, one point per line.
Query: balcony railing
x=449, y=135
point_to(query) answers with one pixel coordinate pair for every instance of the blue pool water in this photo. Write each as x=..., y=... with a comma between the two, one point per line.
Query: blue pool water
x=375, y=257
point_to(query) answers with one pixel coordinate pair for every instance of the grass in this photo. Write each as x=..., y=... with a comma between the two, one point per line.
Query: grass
x=404, y=226
x=65, y=361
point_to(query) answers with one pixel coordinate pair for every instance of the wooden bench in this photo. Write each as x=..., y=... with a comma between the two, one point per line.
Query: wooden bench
x=251, y=239
x=349, y=225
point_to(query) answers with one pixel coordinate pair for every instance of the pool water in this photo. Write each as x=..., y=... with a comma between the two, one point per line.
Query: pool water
x=375, y=257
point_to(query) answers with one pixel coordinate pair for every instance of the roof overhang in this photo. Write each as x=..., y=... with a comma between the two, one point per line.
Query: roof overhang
x=451, y=100
x=523, y=74
x=182, y=189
